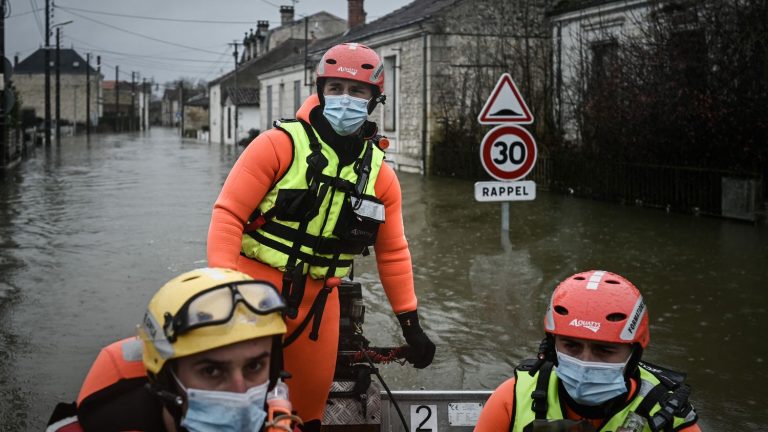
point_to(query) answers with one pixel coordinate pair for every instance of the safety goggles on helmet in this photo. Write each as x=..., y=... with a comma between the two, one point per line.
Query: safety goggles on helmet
x=216, y=305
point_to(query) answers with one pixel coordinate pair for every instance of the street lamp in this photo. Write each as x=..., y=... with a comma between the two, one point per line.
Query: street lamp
x=58, y=78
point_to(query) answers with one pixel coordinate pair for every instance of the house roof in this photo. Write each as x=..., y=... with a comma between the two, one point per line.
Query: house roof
x=564, y=6
x=413, y=13
x=244, y=95
x=410, y=14
x=71, y=63
x=199, y=100
x=259, y=64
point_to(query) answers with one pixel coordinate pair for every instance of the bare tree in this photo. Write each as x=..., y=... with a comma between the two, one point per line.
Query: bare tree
x=502, y=36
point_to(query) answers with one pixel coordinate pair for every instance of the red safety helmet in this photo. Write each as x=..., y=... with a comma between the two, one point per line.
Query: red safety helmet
x=598, y=305
x=352, y=61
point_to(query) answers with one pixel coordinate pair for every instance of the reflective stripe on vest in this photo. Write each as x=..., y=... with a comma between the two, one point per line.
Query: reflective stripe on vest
x=525, y=384
x=296, y=179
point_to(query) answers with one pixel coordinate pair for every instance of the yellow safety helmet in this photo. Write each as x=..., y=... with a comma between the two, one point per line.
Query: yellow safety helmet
x=206, y=309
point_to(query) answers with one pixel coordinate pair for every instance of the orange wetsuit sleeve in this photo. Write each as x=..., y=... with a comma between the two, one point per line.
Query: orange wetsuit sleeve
x=264, y=161
x=392, y=255
x=497, y=412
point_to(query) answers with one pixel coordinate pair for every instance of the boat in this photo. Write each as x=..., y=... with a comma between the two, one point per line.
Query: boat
x=358, y=403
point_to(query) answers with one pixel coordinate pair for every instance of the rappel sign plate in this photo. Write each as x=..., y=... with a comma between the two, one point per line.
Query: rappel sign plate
x=508, y=152
x=505, y=105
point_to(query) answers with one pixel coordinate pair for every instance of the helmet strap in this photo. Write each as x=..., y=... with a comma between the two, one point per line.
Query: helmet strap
x=165, y=388
x=276, y=361
x=375, y=100
x=546, y=353
x=634, y=359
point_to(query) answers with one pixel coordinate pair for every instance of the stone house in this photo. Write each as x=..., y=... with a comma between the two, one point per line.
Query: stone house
x=242, y=102
x=196, y=116
x=437, y=54
x=585, y=37
x=119, y=100
x=258, y=51
x=29, y=79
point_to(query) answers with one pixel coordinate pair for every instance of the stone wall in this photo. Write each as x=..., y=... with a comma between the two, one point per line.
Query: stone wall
x=73, y=95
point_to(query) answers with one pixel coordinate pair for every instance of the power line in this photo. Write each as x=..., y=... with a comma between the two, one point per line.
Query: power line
x=24, y=13
x=147, y=56
x=33, y=3
x=138, y=34
x=181, y=20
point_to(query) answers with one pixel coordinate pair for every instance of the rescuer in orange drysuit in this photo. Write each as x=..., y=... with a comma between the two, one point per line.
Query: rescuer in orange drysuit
x=301, y=201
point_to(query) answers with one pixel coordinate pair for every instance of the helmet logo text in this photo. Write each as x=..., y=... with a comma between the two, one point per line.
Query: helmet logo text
x=636, y=318
x=591, y=325
x=149, y=326
x=349, y=70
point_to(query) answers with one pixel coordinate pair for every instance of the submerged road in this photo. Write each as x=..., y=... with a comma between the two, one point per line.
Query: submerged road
x=91, y=228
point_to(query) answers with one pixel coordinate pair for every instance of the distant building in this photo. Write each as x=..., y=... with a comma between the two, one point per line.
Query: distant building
x=29, y=79
x=196, y=116
x=259, y=50
x=170, y=113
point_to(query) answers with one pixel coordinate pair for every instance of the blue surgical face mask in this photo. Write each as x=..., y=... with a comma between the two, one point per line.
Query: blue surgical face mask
x=591, y=383
x=345, y=113
x=213, y=411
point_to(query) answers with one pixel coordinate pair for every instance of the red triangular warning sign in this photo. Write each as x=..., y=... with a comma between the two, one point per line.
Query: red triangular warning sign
x=505, y=105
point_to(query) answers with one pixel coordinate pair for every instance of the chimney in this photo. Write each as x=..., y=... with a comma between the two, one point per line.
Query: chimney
x=251, y=45
x=286, y=15
x=355, y=13
x=262, y=28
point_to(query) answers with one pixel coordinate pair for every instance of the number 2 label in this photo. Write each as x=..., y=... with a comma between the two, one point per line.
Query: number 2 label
x=423, y=418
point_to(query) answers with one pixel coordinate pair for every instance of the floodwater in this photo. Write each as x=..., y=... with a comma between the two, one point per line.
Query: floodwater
x=90, y=229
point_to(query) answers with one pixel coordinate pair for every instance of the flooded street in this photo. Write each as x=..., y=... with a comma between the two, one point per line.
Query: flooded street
x=90, y=229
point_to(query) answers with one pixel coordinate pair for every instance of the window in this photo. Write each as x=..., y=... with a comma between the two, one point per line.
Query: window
x=269, y=107
x=229, y=122
x=688, y=57
x=604, y=60
x=296, y=95
x=280, y=100
x=390, y=89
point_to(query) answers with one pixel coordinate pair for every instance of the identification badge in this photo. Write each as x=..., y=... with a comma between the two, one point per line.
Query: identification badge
x=368, y=209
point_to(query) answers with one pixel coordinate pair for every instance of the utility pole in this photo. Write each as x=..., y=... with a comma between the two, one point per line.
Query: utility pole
x=234, y=96
x=99, y=89
x=117, y=97
x=87, y=94
x=133, y=101
x=4, y=144
x=181, y=108
x=144, y=104
x=58, y=85
x=47, y=124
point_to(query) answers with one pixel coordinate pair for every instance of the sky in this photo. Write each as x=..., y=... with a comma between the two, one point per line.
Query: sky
x=158, y=41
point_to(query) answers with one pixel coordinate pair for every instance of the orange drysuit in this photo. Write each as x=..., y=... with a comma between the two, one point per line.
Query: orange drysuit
x=260, y=166
x=497, y=412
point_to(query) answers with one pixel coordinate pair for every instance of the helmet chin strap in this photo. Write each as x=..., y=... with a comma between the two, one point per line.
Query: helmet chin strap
x=378, y=99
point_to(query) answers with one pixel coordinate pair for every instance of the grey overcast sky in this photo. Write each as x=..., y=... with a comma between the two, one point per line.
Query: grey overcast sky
x=166, y=46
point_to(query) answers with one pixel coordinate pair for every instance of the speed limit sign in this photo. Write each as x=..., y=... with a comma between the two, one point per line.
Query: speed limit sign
x=508, y=152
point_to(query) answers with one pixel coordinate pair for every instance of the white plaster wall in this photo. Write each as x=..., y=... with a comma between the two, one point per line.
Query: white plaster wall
x=577, y=31
x=286, y=77
x=215, y=115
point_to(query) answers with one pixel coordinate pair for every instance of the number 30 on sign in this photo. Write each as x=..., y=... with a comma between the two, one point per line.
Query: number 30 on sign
x=508, y=152
x=423, y=418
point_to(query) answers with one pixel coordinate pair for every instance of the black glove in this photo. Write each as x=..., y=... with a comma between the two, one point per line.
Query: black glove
x=422, y=349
